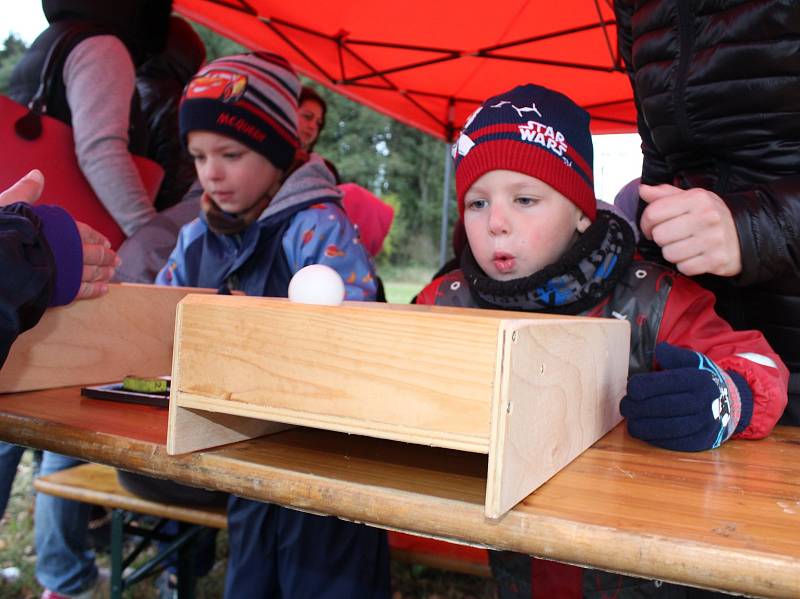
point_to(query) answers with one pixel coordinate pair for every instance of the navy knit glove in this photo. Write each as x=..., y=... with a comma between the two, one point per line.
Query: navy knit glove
x=689, y=405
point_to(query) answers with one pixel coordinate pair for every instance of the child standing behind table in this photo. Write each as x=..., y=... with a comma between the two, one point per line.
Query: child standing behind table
x=268, y=211
x=538, y=242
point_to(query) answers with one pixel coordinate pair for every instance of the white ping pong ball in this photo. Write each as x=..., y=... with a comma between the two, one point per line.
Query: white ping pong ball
x=317, y=284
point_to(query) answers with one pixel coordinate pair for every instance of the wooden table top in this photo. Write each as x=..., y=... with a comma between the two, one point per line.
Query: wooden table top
x=727, y=519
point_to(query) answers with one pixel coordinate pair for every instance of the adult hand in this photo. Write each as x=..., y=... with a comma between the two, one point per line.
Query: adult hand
x=99, y=260
x=99, y=263
x=28, y=189
x=694, y=229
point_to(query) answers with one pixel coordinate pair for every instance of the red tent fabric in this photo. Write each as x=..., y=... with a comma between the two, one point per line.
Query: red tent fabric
x=430, y=63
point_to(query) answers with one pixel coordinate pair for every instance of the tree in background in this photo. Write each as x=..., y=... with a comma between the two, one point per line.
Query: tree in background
x=401, y=164
x=10, y=54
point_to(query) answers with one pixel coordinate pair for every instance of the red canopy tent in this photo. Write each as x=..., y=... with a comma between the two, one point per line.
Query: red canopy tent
x=430, y=63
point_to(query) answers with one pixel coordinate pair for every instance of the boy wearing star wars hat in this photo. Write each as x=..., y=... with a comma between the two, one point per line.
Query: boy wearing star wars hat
x=268, y=210
x=539, y=241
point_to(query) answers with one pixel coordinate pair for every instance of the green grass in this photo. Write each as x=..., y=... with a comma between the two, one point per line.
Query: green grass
x=16, y=535
x=401, y=293
x=402, y=284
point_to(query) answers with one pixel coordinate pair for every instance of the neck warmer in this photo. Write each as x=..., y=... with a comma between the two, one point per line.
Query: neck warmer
x=225, y=223
x=584, y=275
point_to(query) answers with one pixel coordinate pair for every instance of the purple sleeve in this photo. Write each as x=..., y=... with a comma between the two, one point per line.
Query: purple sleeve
x=62, y=236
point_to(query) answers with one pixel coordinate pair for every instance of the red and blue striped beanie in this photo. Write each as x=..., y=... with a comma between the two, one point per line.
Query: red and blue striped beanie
x=251, y=98
x=534, y=131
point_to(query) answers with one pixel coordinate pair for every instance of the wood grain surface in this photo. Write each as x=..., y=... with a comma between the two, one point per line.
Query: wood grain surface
x=727, y=519
x=129, y=330
x=561, y=387
x=97, y=484
x=411, y=375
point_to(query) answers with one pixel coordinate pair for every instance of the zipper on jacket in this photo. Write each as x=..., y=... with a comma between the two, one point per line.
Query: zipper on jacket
x=686, y=38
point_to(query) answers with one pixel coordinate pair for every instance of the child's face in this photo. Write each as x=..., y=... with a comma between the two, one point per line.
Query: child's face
x=235, y=176
x=516, y=224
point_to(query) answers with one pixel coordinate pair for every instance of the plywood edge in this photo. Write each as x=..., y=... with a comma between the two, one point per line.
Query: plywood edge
x=500, y=399
x=172, y=418
x=454, y=314
x=193, y=430
x=127, y=330
x=224, y=406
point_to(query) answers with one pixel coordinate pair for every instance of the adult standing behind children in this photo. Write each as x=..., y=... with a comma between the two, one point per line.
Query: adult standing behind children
x=93, y=91
x=160, y=82
x=537, y=242
x=717, y=89
x=267, y=213
x=311, y=114
x=311, y=121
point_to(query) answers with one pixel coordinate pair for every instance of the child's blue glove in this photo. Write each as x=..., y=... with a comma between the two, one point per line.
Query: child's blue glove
x=689, y=405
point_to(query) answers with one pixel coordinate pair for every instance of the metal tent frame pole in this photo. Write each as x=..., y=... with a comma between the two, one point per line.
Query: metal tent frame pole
x=448, y=170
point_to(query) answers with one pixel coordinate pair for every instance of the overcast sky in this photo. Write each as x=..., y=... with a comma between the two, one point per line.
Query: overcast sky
x=25, y=18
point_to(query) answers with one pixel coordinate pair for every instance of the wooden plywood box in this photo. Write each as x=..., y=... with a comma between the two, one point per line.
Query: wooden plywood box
x=129, y=330
x=531, y=391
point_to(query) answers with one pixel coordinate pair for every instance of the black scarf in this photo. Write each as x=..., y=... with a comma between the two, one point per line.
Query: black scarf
x=584, y=275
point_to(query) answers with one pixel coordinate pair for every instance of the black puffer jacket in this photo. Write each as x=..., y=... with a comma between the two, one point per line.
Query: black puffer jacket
x=140, y=24
x=717, y=86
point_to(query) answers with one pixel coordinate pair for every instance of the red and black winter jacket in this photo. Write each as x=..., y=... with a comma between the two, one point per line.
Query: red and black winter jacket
x=662, y=305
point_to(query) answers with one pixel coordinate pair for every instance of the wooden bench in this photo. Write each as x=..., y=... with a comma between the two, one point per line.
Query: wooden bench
x=98, y=485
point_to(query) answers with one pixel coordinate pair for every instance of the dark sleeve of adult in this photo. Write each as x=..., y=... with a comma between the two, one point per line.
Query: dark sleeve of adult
x=166, y=149
x=41, y=262
x=767, y=216
x=767, y=221
x=654, y=167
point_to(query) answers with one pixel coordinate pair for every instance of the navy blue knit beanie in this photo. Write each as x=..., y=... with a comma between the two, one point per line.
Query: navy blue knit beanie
x=251, y=98
x=534, y=131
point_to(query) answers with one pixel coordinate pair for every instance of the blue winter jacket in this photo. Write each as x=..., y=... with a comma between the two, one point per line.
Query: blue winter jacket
x=303, y=224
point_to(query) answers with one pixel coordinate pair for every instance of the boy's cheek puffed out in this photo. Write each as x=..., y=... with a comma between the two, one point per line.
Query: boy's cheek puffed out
x=517, y=224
